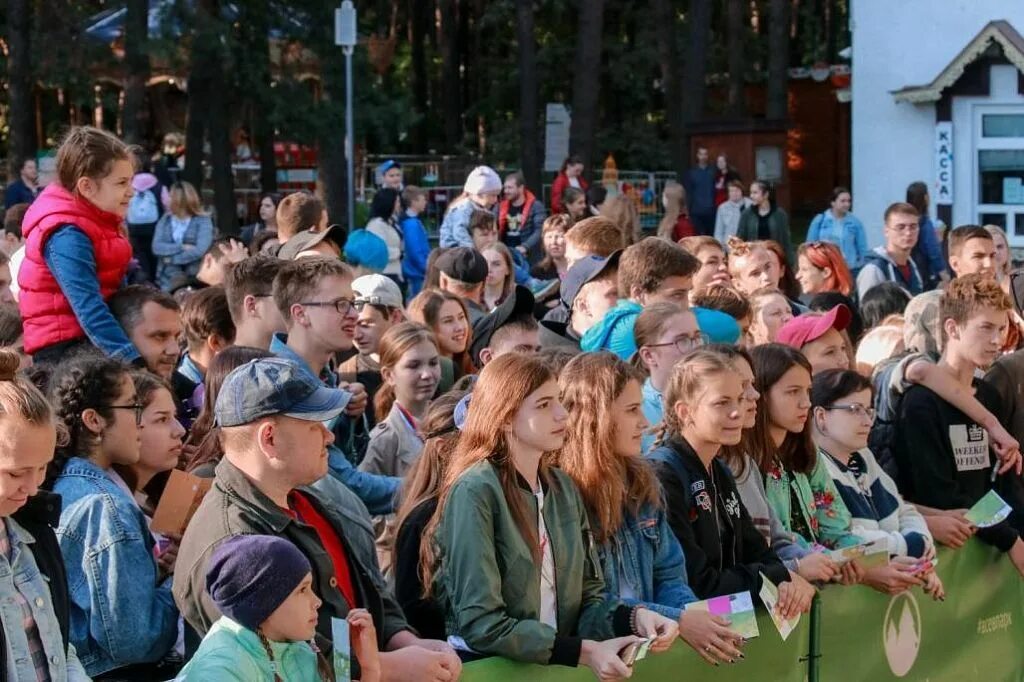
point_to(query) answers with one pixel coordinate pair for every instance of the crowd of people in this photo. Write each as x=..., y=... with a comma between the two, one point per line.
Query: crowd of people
x=543, y=439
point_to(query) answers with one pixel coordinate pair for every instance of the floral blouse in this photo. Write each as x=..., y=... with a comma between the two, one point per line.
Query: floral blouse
x=810, y=507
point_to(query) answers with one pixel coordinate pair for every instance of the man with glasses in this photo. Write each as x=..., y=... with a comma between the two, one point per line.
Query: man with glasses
x=892, y=262
x=315, y=298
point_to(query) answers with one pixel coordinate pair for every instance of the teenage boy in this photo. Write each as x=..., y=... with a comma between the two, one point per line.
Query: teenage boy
x=463, y=271
x=714, y=267
x=417, y=245
x=972, y=250
x=509, y=328
x=590, y=289
x=207, y=327
x=521, y=217
x=315, y=298
x=943, y=455
x=218, y=258
x=818, y=337
x=378, y=301
x=650, y=271
x=892, y=262
x=483, y=229
x=297, y=212
x=271, y=481
x=595, y=236
x=12, y=239
x=249, y=287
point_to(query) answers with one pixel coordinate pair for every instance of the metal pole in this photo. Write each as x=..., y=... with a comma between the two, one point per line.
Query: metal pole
x=349, y=141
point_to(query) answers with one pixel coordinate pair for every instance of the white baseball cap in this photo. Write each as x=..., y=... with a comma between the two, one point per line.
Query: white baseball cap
x=377, y=290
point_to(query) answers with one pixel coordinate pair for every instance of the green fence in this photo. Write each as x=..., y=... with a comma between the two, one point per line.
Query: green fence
x=859, y=635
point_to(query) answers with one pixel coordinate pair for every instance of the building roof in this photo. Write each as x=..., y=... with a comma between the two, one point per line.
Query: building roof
x=1000, y=32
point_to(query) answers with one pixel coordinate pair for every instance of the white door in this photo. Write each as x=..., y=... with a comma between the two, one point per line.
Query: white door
x=999, y=168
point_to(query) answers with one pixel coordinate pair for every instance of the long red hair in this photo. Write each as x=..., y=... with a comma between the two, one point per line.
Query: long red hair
x=827, y=255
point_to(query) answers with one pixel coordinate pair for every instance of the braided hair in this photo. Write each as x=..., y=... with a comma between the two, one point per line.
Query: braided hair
x=86, y=382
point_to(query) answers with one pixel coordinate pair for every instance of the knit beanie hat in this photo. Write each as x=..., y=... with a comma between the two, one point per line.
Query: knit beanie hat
x=481, y=180
x=249, y=576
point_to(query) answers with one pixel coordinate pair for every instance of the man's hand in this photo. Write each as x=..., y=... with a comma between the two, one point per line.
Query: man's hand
x=234, y=251
x=357, y=403
x=416, y=664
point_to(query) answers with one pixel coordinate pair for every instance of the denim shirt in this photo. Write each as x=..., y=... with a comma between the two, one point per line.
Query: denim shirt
x=376, y=492
x=848, y=235
x=174, y=261
x=70, y=256
x=120, y=614
x=455, y=226
x=643, y=564
x=20, y=573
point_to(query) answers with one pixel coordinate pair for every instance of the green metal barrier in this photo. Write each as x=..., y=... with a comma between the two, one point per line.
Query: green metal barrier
x=855, y=634
x=976, y=634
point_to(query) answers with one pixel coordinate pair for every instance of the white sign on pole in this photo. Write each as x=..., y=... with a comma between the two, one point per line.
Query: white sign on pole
x=944, y=163
x=556, y=135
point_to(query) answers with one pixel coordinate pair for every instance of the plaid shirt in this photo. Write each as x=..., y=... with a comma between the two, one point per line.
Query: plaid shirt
x=28, y=621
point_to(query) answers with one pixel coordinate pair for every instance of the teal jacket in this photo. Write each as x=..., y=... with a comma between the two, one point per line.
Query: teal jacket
x=231, y=652
x=615, y=330
x=489, y=585
x=822, y=513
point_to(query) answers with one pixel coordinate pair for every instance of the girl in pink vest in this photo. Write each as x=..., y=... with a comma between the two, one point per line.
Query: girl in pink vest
x=77, y=250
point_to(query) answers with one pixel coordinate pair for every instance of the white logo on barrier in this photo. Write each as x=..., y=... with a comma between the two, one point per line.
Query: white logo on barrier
x=901, y=633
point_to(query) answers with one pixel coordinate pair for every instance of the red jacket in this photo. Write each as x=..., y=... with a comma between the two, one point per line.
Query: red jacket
x=558, y=188
x=683, y=228
x=46, y=314
x=503, y=211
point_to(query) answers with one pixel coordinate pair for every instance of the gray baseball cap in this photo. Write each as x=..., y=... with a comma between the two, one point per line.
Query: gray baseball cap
x=271, y=386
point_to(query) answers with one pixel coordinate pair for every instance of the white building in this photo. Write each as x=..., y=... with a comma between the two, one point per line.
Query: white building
x=938, y=96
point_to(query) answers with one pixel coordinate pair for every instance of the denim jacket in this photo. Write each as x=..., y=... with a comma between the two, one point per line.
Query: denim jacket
x=174, y=260
x=848, y=235
x=653, y=409
x=21, y=573
x=120, y=614
x=455, y=226
x=376, y=492
x=71, y=259
x=643, y=564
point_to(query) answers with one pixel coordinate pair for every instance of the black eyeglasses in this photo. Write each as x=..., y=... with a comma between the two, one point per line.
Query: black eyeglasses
x=854, y=409
x=138, y=407
x=683, y=344
x=342, y=305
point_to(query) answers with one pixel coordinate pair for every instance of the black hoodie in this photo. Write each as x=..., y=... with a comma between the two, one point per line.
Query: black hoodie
x=724, y=552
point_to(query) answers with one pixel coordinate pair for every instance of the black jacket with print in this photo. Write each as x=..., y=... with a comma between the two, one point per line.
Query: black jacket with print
x=724, y=551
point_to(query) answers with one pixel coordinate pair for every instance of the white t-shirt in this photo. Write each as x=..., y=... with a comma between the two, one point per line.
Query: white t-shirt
x=575, y=182
x=548, y=595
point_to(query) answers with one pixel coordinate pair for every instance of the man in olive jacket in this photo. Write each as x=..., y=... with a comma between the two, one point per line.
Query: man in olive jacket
x=271, y=414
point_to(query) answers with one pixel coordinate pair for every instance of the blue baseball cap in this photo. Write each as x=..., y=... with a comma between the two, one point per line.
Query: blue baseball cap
x=717, y=326
x=366, y=249
x=271, y=386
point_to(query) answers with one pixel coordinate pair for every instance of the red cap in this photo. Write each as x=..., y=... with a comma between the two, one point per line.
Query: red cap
x=807, y=327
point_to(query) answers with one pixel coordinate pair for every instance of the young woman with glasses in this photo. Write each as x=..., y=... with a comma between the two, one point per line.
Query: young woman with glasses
x=842, y=414
x=664, y=333
x=123, y=616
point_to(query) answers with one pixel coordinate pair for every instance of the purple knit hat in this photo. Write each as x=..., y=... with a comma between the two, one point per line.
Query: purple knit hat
x=249, y=576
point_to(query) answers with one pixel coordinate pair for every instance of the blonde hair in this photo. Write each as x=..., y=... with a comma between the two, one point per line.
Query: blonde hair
x=18, y=396
x=686, y=385
x=675, y=206
x=650, y=324
x=880, y=343
x=88, y=152
x=185, y=199
x=622, y=211
x=997, y=231
x=609, y=483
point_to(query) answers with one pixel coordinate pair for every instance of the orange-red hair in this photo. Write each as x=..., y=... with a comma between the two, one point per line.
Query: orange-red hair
x=827, y=255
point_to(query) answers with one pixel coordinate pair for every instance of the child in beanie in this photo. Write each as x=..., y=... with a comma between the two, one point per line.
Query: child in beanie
x=263, y=586
x=481, y=191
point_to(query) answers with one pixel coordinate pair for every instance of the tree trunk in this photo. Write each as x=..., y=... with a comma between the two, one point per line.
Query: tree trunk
x=696, y=65
x=255, y=48
x=331, y=137
x=776, y=103
x=136, y=61
x=586, y=83
x=737, y=104
x=664, y=15
x=419, y=20
x=220, y=156
x=451, y=82
x=529, y=139
x=21, y=137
